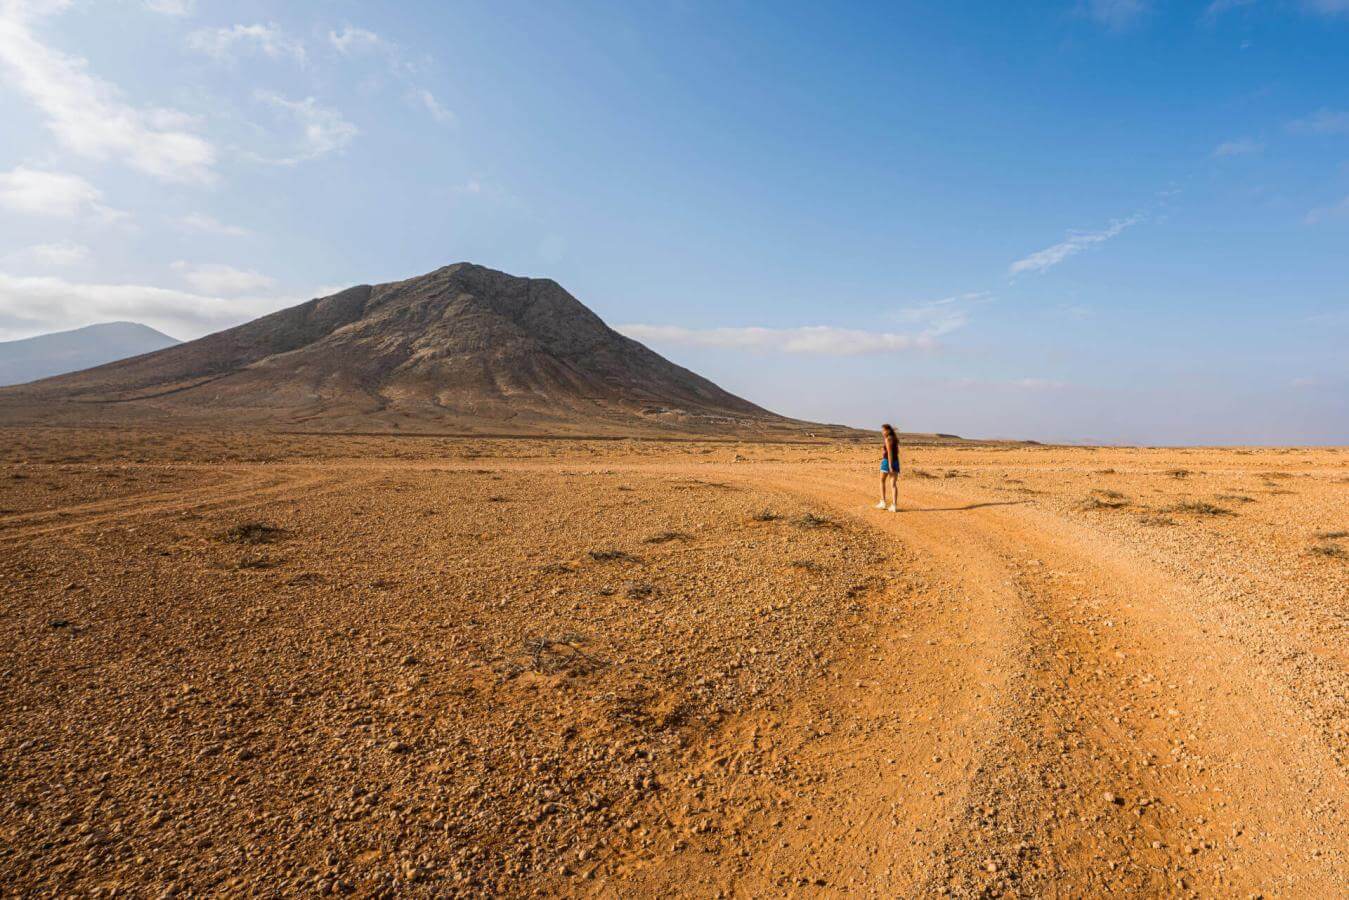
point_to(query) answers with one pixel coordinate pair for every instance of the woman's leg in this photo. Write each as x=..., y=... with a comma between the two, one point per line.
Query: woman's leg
x=894, y=486
x=883, y=477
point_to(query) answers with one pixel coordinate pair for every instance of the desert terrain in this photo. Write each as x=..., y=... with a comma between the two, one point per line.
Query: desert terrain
x=236, y=664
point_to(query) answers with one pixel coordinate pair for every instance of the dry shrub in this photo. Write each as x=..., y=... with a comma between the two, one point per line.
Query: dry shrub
x=1199, y=508
x=254, y=533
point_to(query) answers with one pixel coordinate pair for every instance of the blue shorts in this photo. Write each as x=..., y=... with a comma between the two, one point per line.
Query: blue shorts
x=885, y=466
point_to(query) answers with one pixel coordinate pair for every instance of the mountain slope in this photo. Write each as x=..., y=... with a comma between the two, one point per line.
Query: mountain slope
x=464, y=348
x=69, y=351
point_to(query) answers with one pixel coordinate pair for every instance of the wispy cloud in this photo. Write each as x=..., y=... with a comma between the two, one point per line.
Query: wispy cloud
x=59, y=195
x=928, y=322
x=822, y=340
x=58, y=254
x=941, y=317
x=322, y=130
x=204, y=224
x=1239, y=147
x=1325, y=213
x=1323, y=121
x=34, y=305
x=1076, y=242
x=1116, y=15
x=353, y=42
x=432, y=106
x=217, y=278
x=87, y=114
x=171, y=7
x=225, y=44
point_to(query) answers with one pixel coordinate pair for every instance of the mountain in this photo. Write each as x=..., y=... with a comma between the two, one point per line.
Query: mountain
x=70, y=351
x=461, y=349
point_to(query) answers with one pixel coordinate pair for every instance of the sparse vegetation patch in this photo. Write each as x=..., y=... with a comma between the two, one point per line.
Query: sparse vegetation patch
x=255, y=533
x=811, y=520
x=1200, y=508
x=612, y=556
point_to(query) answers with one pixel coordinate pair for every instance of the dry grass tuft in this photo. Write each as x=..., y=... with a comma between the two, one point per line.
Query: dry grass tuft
x=766, y=515
x=1199, y=508
x=665, y=537
x=810, y=520
x=254, y=533
x=1330, y=551
x=612, y=556
x=1107, y=500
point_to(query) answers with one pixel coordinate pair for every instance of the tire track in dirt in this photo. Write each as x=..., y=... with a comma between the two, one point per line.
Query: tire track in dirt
x=267, y=487
x=855, y=785
x=1136, y=755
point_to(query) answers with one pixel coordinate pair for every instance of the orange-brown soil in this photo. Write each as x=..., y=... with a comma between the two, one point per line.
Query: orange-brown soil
x=283, y=665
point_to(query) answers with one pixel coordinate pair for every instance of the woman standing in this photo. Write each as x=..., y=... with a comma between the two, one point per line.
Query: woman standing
x=889, y=466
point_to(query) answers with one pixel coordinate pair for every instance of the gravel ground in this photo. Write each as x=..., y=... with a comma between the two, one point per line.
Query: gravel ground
x=274, y=665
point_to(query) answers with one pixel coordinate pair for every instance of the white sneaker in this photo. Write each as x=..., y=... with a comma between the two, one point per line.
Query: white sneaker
x=881, y=505
x=892, y=508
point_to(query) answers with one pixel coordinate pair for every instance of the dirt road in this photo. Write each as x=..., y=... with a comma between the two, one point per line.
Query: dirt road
x=1024, y=683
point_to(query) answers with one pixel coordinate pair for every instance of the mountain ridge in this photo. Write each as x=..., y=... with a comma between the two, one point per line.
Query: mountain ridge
x=461, y=348
x=62, y=352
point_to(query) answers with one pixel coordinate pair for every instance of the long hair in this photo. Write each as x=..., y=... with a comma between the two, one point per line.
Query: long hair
x=888, y=429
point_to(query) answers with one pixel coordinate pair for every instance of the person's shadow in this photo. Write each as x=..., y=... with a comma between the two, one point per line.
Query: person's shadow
x=970, y=506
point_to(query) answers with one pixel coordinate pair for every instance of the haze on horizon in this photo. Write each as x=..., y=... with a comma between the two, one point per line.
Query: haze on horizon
x=1085, y=220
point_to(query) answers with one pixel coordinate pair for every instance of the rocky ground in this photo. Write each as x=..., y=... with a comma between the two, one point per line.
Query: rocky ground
x=242, y=664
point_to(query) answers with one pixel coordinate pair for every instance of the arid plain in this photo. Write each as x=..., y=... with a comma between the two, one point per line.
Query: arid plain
x=285, y=664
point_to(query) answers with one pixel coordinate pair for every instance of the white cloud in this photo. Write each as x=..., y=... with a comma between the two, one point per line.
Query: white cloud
x=1115, y=14
x=54, y=194
x=171, y=7
x=224, y=43
x=1323, y=121
x=432, y=106
x=821, y=340
x=354, y=40
x=1076, y=242
x=88, y=115
x=940, y=317
x=61, y=253
x=204, y=224
x=217, y=278
x=36, y=305
x=931, y=320
x=1239, y=147
x=323, y=130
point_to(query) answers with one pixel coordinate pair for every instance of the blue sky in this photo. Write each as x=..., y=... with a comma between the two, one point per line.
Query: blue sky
x=1114, y=220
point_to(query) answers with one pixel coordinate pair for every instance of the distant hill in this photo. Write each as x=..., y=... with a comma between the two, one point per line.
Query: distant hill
x=462, y=349
x=70, y=351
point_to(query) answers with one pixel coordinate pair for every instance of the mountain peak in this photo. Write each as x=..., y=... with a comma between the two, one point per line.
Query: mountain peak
x=462, y=348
